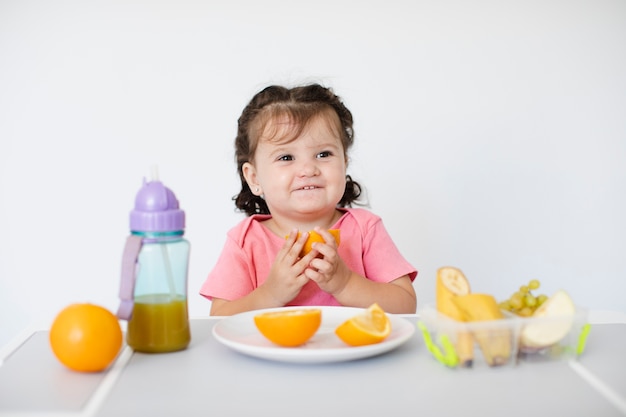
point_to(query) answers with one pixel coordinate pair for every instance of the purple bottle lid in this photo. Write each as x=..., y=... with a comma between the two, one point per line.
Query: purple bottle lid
x=156, y=209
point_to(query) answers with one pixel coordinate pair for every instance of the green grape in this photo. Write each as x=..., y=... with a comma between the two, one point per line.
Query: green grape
x=534, y=284
x=523, y=302
x=530, y=301
x=516, y=301
x=541, y=299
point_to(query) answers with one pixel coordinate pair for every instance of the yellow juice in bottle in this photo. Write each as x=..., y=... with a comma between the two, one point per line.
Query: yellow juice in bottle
x=159, y=324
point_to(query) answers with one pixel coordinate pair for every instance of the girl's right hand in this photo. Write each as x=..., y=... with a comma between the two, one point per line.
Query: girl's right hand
x=286, y=277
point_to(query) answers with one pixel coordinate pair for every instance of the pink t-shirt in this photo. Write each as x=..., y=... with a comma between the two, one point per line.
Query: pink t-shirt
x=250, y=249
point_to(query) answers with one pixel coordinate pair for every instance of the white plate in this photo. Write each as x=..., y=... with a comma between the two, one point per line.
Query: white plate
x=240, y=333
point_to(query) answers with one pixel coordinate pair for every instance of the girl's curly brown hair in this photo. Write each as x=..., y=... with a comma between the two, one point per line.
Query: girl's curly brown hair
x=299, y=104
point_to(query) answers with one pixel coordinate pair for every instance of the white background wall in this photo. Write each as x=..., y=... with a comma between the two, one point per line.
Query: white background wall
x=490, y=135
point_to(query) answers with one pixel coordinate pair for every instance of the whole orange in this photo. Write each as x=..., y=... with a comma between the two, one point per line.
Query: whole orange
x=85, y=337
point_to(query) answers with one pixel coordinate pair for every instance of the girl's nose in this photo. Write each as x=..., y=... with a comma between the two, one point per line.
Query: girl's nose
x=309, y=169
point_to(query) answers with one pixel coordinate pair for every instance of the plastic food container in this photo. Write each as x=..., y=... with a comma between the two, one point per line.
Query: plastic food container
x=502, y=343
x=568, y=333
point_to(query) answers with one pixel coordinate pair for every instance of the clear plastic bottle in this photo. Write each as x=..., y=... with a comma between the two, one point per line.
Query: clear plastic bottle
x=153, y=288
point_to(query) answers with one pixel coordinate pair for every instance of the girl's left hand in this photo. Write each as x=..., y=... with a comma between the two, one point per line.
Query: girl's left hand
x=329, y=271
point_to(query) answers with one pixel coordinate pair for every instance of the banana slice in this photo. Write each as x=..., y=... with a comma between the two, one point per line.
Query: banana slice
x=451, y=282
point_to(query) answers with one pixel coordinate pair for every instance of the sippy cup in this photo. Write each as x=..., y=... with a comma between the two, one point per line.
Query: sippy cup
x=153, y=289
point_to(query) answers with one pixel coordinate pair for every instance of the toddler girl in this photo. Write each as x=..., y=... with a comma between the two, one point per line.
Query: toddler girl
x=291, y=151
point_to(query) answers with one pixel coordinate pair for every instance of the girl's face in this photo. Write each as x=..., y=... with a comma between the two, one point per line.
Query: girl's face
x=301, y=179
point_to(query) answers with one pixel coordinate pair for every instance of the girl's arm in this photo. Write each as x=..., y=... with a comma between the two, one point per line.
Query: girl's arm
x=397, y=296
x=255, y=300
x=284, y=281
x=352, y=289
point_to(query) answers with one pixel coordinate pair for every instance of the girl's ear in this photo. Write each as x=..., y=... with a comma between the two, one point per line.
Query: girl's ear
x=249, y=173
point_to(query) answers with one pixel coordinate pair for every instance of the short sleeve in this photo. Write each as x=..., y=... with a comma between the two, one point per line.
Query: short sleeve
x=231, y=277
x=381, y=258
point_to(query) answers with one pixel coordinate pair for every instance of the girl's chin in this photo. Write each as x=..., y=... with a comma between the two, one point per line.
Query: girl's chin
x=310, y=210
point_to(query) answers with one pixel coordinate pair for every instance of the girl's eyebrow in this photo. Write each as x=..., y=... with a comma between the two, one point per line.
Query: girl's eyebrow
x=278, y=150
x=327, y=144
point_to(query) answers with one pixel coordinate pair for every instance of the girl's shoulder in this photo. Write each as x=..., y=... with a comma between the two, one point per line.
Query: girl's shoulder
x=359, y=217
x=251, y=225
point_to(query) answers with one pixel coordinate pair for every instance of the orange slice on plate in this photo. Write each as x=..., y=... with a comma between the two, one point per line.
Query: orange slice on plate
x=371, y=326
x=291, y=327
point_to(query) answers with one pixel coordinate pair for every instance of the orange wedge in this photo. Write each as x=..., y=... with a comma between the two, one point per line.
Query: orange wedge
x=289, y=328
x=316, y=237
x=371, y=326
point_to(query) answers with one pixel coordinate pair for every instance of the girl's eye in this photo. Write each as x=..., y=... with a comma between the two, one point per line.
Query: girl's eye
x=285, y=158
x=324, y=154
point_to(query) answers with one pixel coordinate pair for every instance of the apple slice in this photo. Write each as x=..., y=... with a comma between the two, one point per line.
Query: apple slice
x=550, y=323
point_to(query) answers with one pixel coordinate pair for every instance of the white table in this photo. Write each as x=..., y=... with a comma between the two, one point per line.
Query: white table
x=209, y=378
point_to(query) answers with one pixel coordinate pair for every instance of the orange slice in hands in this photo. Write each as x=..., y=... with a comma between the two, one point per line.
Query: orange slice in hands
x=371, y=326
x=316, y=237
x=289, y=328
